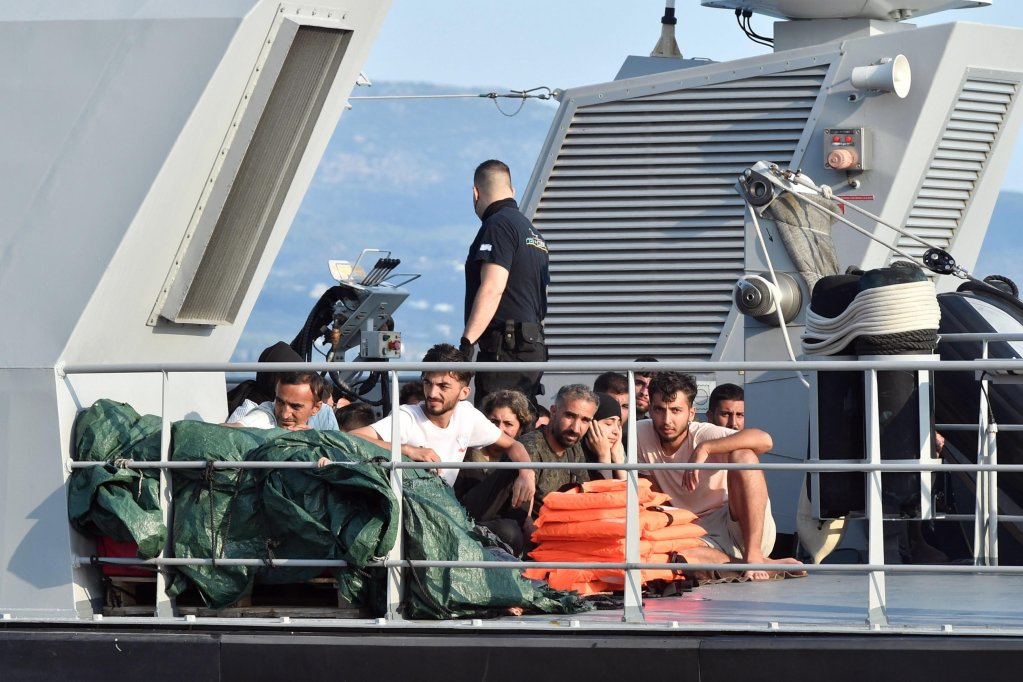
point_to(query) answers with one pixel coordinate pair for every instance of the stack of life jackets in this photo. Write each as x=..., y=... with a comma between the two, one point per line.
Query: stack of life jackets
x=587, y=523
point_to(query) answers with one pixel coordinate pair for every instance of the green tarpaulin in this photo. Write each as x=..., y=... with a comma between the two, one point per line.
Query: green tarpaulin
x=342, y=511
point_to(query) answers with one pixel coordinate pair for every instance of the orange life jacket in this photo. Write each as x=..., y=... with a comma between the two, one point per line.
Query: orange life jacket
x=588, y=524
x=600, y=494
x=669, y=522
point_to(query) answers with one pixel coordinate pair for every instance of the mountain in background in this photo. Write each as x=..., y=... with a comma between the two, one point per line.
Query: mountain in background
x=397, y=175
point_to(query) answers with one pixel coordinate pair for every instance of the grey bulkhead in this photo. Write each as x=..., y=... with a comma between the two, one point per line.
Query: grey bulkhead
x=635, y=192
x=140, y=128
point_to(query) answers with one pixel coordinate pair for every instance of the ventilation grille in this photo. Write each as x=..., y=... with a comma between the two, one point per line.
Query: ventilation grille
x=642, y=216
x=959, y=161
x=222, y=278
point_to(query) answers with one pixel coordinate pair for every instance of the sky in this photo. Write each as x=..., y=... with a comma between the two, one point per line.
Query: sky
x=521, y=44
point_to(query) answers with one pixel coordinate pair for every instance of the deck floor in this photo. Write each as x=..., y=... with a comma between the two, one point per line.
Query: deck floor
x=838, y=602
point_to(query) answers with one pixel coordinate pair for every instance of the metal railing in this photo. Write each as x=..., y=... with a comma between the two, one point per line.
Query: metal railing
x=987, y=468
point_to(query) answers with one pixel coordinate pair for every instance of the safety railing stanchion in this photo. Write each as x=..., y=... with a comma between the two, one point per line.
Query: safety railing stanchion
x=982, y=531
x=395, y=588
x=980, y=491
x=633, y=603
x=877, y=609
x=991, y=452
x=985, y=528
x=992, y=495
x=164, y=604
x=926, y=436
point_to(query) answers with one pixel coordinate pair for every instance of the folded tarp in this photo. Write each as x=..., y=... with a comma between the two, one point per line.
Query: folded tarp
x=436, y=527
x=344, y=511
x=114, y=502
x=340, y=512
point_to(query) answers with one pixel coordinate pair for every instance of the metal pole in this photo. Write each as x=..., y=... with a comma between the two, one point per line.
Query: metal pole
x=633, y=602
x=815, y=445
x=394, y=573
x=992, y=495
x=164, y=604
x=926, y=440
x=876, y=594
x=991, y=436
x=981, y=551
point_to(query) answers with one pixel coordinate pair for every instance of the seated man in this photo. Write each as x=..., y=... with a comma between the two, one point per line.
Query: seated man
x=561, y=440
x=249, y=394
x=557, y=441
x=727, y=407
x=298, y=400
x=732, y=506
x=617, y=386
x=445, y=425
x=643, y=388
x=543, y=416
x=354, y=416
x=411, y=393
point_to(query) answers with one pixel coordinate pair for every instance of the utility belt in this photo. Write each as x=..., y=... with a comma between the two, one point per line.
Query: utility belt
x=512, y=336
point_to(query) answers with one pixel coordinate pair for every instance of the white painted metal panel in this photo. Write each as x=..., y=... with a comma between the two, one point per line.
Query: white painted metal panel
x=960, y=158
x=642, y=218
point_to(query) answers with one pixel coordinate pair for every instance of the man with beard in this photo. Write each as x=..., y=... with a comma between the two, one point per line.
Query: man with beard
x=732, y=506
x=557, y=441
x=297, y=401
x=560, y=440
x=444, y=426
x=643, y=388
x=727, y=407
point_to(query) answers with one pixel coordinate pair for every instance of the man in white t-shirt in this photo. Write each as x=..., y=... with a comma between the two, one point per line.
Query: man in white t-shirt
x=298, y=400
x=445, y=425
x=732, y=506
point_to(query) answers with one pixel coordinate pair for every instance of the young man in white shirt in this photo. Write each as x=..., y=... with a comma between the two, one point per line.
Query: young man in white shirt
x=297, y=401
x=732, y=506
x=445, y=425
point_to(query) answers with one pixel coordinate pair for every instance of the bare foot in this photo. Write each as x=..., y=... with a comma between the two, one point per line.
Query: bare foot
x=515, y=610
x=767, y=575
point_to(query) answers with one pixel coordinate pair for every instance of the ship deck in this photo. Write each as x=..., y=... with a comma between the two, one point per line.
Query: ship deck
x=731, y=631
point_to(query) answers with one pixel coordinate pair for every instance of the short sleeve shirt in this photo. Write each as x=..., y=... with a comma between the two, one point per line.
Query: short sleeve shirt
x=508, y=239
x=712, y=490
x=468, y=428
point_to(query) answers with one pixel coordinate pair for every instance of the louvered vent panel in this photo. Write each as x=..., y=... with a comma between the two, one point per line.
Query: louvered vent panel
x=642, y=217
x=221, y=280
x=957, y=164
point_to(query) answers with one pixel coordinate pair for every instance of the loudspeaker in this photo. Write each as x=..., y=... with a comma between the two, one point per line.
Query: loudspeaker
x=889, y=75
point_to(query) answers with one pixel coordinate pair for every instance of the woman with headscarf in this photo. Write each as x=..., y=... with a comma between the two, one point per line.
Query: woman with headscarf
x=603, y=440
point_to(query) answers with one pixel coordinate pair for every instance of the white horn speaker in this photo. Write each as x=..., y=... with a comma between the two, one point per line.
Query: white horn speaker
x=888, y=75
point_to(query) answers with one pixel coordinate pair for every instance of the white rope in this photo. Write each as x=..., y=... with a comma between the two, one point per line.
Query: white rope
x=828, y=193
x=782, y=326
x=894, y=309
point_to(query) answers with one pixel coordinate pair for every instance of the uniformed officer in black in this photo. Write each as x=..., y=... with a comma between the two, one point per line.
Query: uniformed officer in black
x=506, y=278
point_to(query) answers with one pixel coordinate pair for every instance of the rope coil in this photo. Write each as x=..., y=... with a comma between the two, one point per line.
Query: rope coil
x=882, y=311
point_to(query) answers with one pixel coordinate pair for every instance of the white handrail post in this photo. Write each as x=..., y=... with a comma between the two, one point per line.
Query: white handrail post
x=982, y=522
x=876, y=593
x=991, y=477
x=633, y=603
x=924, y=412
x=992, y=495
x=165, y=605
x=395, y=588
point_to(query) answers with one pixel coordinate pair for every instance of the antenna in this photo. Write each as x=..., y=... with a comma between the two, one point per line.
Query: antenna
x=667, y=46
